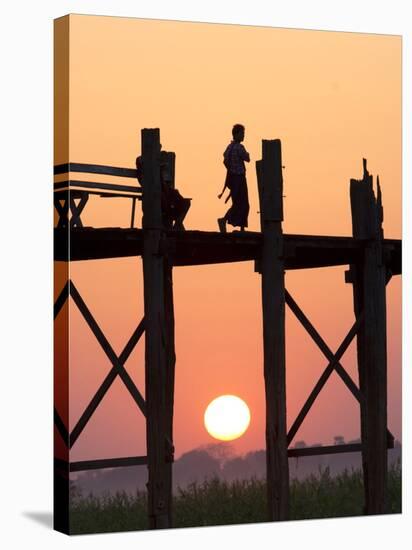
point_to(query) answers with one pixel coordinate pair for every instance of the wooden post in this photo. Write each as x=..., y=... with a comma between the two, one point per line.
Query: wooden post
x=170, y=348
x=368, y=277
x=159, y=499
x=270, y=184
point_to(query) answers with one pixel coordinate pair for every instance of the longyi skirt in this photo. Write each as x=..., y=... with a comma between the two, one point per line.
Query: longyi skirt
x=238, y=213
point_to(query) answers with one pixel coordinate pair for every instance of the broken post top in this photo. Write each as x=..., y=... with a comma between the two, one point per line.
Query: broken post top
x=367, y=211
x=270, y=181
x=151, y=196
x=365, y=168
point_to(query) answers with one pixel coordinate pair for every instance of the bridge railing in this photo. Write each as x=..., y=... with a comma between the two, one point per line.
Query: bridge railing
x=65, y=192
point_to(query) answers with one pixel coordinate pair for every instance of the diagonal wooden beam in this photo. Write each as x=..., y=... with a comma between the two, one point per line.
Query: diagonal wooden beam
x=59, y=303
x=323, y=379
x=105, y=385
x=131, y=344
x=92, y=406
x=327, y=351
x=61, y=428
x=114, y=359
x=324, y=348
x=107, y=348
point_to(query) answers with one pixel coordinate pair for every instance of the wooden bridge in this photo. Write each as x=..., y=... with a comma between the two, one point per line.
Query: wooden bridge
x=371, y=259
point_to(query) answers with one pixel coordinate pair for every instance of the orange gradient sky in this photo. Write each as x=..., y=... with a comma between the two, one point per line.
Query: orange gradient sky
x=332, y=98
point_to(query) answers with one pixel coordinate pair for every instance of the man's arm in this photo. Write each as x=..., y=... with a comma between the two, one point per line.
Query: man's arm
x=244, y=155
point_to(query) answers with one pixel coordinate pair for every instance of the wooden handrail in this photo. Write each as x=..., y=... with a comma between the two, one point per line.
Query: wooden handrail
x=95, y=169
x=97, y=185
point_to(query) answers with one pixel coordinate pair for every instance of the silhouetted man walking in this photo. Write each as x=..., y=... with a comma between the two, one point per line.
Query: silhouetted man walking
x=234, y=159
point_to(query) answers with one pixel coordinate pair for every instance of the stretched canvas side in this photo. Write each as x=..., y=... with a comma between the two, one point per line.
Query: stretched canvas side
x=61, y=494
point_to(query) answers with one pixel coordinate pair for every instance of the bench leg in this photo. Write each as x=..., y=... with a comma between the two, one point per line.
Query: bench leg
x=76, y=210
x=63, y=211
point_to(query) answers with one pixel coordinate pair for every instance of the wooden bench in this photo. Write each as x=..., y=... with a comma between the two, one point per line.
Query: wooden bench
x=66, y=192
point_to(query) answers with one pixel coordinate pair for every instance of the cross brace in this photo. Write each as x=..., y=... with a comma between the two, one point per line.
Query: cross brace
x=117, y=365
x=334, y=364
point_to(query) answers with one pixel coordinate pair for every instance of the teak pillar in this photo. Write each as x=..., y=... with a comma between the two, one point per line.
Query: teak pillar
x=270, y=185
x=170, y=345
x=158, y=310
x=368, y=277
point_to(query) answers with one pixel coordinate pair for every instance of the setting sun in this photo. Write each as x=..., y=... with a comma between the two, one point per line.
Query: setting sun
x=227, y=417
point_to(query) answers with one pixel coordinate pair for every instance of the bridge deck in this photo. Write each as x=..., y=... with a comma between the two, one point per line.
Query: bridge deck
x=209, y=247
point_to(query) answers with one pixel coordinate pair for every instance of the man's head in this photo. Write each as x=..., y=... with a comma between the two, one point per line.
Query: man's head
x=238, y=132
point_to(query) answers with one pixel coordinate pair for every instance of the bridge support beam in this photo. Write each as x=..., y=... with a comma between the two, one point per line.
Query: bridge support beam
x=369, y=277
x=170, y=349
x=158, y=306
x=271, y=266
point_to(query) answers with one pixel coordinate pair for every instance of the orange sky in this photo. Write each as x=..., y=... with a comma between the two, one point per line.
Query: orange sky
x=331, y=98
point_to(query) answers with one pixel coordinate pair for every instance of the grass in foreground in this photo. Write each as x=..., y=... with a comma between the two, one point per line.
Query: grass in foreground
x=216, y=502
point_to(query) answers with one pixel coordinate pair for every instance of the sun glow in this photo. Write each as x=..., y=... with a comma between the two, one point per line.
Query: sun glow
x=227, y=417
